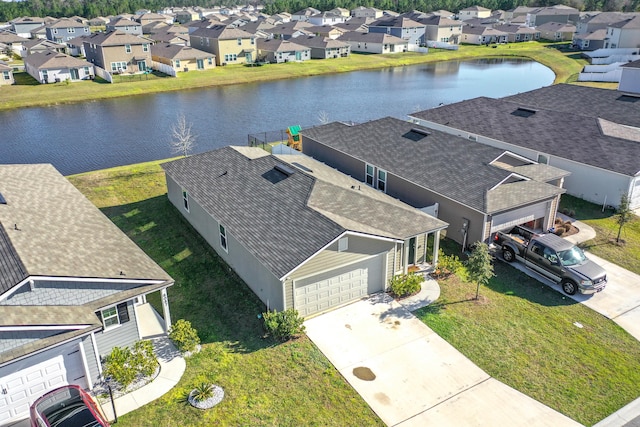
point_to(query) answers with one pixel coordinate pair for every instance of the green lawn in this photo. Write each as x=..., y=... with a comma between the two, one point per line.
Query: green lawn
x=524, y=334
x=566, y=66
x=626, y=254
x=265, y=383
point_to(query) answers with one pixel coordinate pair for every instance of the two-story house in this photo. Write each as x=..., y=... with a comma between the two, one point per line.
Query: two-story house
x=624, y=34
x=118, y=52
x=65, y=29
x=404, y=28
x=23, y=26
x=125, y=26
x=229, y=45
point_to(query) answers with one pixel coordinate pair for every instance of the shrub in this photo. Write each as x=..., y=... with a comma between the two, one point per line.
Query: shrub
x=184, y=335
x=447, y=265
x=202, y=391
x=406, y=284
x=124, y=365
x=283, y=325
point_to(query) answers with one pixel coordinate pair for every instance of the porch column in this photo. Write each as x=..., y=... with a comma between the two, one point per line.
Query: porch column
x=405, y=248
x=424, y=255
x=165, y=309
x=436, y=246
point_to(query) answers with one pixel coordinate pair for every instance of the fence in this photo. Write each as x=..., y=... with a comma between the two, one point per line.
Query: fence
x=101, y=72
x=609, y=76
x=164, y=68
x=442, y=45
x=263, y=139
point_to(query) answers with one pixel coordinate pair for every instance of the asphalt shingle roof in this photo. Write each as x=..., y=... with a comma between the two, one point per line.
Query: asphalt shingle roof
x=54, y=60
x=115, y=38
x=174, y=51
x=561, y=134
x=585, y=101
x=446, y=164
x=12, y=269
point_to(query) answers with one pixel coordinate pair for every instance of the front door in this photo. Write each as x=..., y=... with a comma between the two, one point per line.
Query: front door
x=412, y=251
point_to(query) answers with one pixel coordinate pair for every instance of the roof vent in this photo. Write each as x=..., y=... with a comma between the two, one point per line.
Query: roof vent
x=628, y=97
x=3, y=201
x=416, y=134
x=524, y=112
x=284, y=169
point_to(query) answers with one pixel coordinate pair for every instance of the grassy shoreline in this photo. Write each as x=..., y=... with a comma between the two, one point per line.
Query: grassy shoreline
x=565, y=67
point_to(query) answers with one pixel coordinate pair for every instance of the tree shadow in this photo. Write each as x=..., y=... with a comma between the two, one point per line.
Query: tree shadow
x=207, y=292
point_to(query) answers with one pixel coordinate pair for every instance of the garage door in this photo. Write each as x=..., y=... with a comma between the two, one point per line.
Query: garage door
x=634, y=201
x=518, y=216
x=339, y=286
x=23, y=382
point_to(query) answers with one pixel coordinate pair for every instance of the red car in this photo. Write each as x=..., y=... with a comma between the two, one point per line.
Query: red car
x=68, y=406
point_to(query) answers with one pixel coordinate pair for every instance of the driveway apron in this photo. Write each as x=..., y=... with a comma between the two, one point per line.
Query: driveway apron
x=410, y=376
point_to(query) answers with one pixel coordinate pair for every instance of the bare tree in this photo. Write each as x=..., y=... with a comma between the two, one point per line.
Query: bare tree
x=182, y=138
x=323, y=117
x=624, y=214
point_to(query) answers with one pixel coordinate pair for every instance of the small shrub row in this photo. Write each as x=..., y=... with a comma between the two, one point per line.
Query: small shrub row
x=125, y=364
x=404, y=285
x=184, y=336
x=447, y=265
x=283, y=325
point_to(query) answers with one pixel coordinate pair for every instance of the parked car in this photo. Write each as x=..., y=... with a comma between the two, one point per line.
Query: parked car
x=553, y=257
x=68, y=406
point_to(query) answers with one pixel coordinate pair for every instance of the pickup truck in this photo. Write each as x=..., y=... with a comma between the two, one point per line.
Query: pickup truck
x=553, y=257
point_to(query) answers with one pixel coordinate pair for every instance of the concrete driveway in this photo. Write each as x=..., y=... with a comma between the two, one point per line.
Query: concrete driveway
x=411, y=377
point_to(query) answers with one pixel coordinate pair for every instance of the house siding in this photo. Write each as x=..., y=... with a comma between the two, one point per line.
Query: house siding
x=91, y=359
x=58, y=292
x=259, y=279
x=123, y=335
x=630, y=80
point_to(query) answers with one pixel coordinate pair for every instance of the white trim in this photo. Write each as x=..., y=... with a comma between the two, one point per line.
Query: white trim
x=385, y=180
x=17, y=359
x=14, y=289
x=222, y=228
x=89, y=279
x=85, y=365
x=511, y=175
x=95, y=352
x=517, y=156
x=43, y=328
x=352, y=233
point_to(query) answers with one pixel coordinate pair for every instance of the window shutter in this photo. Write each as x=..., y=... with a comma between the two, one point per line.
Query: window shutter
x=123, y=313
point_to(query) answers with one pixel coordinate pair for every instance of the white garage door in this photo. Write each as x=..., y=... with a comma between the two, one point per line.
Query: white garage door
x=634, y=201
x=339, y=286
x=25, y=381
x=518, y=216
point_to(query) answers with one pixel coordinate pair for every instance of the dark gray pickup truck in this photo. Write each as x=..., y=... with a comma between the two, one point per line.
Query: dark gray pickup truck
x=554, y=258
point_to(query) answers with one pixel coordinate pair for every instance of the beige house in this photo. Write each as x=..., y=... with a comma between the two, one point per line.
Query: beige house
x=6, y=74
x=366, y=12
x=374, y=42
x=441, y=29
x=474, y=12
x=119, y=52
x=229, y=45
x=182, y=58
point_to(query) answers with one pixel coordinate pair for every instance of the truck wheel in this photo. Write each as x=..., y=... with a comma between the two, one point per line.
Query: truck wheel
x=569, y=287
x=508, y=254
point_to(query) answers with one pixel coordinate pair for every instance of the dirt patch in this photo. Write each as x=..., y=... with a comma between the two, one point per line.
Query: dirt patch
x=564, y=228
x=382, y=398
x=348, y=326
x=364, y=373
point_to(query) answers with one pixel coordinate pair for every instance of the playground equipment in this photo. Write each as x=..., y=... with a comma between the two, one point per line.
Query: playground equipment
x=295, y=141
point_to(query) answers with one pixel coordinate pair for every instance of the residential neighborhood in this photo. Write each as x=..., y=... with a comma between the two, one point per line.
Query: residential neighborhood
x=342, y=272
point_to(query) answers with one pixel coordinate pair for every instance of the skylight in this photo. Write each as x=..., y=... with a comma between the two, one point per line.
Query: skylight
x=3, y=201
x=524, y=112
x=629, y=98
x=416, y=134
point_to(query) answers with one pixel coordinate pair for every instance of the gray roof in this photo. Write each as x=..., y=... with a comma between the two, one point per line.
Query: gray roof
x=284, y=220
x=123, y=22
x=396, y=22
x=222, y=32
x=66, y=23
x=12, y=269
x=44, y=43
x=174, y=51
x=52, y=60
x=446, y=164
x=279, y=45
x=8, y=37
x=515, y=29
x=557, y=26
x=320, y=42
x=61, y=233
x=634, y=64
x=115, y=38
x=630, y=23
x=586, y=140
x=356, y=36
x=608, y=104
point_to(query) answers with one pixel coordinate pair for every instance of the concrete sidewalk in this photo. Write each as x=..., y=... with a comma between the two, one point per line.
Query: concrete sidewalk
x=410, y=376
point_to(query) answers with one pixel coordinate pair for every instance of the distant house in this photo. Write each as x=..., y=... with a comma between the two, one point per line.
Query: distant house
x=164, y=35
x=13, y=41
x=592, y=21
x=304, y=14
x=624, y=34
x=474, y=12
x=186, y=15
x=598, y=130
x=75, y=47
x=53, y=67
x=407, y=29
x=558, y=13
x=630, y=78
x=23, y=26
x=73, y=286
x=326, y=18
x=39, y=33
x=291, y=30
x=39, y=45
x=229, y=45
x=441, y=29
x=555, y=31
x=182, y=58
x=328, y=31
x=6, y=74
x=482, y=35
x=65, y=29
x=149, y=17
x=325, y=48
x=593, y=40
x=119, y=52
x=518, y=33
x=366, y=12
x=341, y=240
x=278, y=50
x=99, y=21
x=475, y=188
x=125, y=25
x=374, y=42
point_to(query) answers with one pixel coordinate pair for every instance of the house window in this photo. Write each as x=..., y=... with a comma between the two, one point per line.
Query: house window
x=223, y=238
x=127, y=48
x=118, y=66
x=45, y=76
x=239, y=41
x=115, y=315
x=343, y=244
x=86, y=71
x=543, y=159
x=55, y=31
x=71, y=30
x=369, y=174
x=253, y=40
x=231, y=57
x=145, y=47
x=185, y=199
x=210, y=61
x=177, y=62
x=6, y=75
x=382, y=180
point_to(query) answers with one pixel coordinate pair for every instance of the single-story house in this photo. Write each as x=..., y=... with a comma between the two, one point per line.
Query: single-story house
x=481, y=34
x=42, y=45
x=592, y=133
x=53, y=67
x=518, y=33
x=630, y=77
x=182, y=58
x=592, y=40
x=475, y=188
x=325, y=48
x=299, y=233
x=279, y=50
x=374, y=42
x=13, y=41
x=72, y=287
x=6, y=74
x=556, y=31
